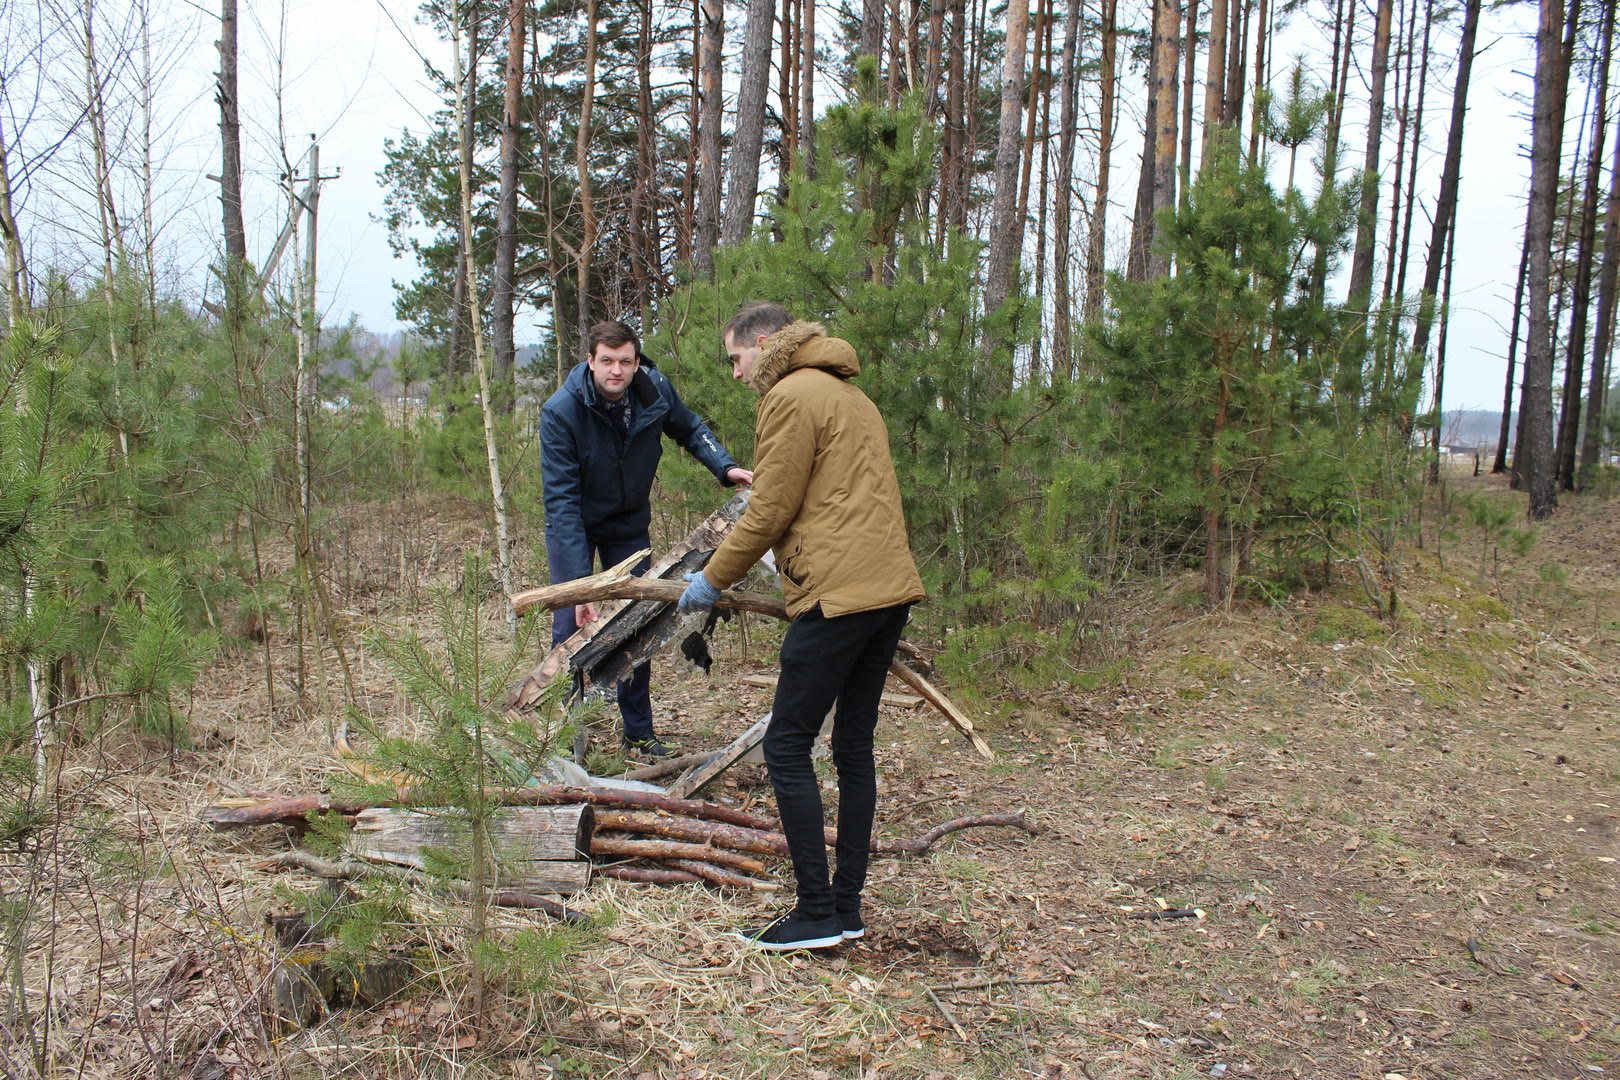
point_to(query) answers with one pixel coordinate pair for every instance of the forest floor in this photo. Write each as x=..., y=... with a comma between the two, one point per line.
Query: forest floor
x=1401, y=844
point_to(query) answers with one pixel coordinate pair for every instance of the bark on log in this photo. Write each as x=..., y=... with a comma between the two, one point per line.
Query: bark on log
x=295, y=810
x=696, y=832
x=673, y=849
x=723, y=877
x=648, y=876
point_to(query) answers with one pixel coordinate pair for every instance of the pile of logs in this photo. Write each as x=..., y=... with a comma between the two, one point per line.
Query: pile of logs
x=551, y=839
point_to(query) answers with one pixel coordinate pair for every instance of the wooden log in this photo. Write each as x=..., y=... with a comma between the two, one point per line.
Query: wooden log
x=295, y=810
x=619, y=584
x=351, y=871
x=673, y=849
x=932, y=836
x=649, y=875
x=898, y=701
x=696, y=832
x=721, y=876
x=538, y=848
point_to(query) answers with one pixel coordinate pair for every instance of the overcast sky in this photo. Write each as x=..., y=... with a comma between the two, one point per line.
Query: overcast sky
x=351, y=73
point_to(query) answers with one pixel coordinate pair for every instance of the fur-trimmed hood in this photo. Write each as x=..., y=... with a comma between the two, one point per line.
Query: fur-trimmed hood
x=802, y=345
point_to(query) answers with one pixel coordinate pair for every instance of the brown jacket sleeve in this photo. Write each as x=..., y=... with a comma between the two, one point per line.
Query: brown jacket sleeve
x=784, y=452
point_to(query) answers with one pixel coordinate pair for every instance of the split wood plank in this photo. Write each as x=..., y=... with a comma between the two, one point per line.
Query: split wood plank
x=695, y=780
x=898, y=701
x=539, y=848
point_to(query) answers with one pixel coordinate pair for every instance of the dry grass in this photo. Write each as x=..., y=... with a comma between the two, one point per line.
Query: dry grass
x=1404, y=849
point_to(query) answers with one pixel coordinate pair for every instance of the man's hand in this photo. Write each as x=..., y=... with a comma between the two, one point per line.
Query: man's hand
x=741, y=477
x=584, y=614
x=699, y=594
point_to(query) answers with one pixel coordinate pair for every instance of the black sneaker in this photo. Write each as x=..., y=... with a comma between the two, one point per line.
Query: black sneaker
x=851, y=923
x=795, y=931
x=649, y=746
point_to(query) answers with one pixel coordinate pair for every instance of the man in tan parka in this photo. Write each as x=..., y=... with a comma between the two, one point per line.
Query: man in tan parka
x=827, y=501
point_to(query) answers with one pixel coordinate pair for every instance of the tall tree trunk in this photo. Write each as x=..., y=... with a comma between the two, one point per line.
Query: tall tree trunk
x=1035, y=90
x=503, y=283
x=686, y=229
x=897, y=52
x=1063, y=303
x=1501, y=463
x=1389, y=323
x=1237, y=44
x=17, y=289
x=1535, y=408
x=1445, y=207
x=643, y=214
x=872, y=15
x=230, y=177
x=1440, y=357
x=582, y=163
x=1098, y=232
x=1214, y=78
x=1189, y=46
x=708, y=178
x=1141, y=243
x=1403, y=256
x=1262, y=36
x=1603, y=339
x=749, y=134
x=148, y=193
x=1006, y=230
x=1361, y=265
x=807, y=85
x=953, y=179
x=1569, y=428
x=1166, y=60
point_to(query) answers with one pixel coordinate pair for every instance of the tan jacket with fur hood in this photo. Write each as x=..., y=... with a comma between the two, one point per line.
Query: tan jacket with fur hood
x=825, y=495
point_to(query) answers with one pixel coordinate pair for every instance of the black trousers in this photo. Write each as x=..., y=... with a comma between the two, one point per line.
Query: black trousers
x=635, y=693
x=844, y=659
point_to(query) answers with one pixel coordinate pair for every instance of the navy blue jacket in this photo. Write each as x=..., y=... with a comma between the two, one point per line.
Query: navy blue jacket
x=597, y=481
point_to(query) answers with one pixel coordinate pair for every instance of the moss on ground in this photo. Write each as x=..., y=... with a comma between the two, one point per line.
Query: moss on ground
x=1334, y=623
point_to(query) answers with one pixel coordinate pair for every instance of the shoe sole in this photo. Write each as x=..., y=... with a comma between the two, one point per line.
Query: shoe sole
x=850, y=935
x=790, y=946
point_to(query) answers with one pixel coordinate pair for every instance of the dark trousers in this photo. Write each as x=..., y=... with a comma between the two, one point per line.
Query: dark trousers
x=635, y=698
x=843, y=659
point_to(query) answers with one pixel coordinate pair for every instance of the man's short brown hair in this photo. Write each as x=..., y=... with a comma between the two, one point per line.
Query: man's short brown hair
x=612, y=334
x=759, y=317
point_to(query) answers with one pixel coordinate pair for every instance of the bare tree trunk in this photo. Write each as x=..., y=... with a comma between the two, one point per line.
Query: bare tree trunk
x=1262, y=35
x=465, y=284
x=17, y=290
x=1440, y=357
x=1166, y=58
x=582, y=162
x=1361, y=266
x=1034, y=84
x=1603, y=338
x=1237, y=44
x=503, y=284
x=1063, y=303
x=686, y=228
x=1501, y=463
x=112, y=244
x=1535, y=409
x=1569, y=428
x=807, y=85
x=1105, y=147
x=1006, y=230
x=749, y=133
x=1214, y=78
x=708, y=178
x=1141, y=244
x=1445, y=207
x=147, y=192
x=953, y=182
x=1389, y=321
x=643, y=215
x=230, y=181
x=1189, y=44
x=896, y=53
x=872, y=16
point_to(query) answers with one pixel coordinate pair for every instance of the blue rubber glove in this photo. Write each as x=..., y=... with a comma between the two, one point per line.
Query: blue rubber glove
x=699, y=594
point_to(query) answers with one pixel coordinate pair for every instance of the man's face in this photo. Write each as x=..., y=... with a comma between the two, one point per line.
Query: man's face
x=743, y=357
x=613, y=366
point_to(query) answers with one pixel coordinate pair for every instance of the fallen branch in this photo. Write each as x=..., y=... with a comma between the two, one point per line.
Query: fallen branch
x=932, y=836
x=648, y=876
x=723, y=877
x=667, y=767
x=351, y=871
x=714, y=834
x=672, y=849
x=618, y=583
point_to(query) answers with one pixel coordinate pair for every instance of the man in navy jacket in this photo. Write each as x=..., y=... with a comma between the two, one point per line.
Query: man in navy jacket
x=601, y=436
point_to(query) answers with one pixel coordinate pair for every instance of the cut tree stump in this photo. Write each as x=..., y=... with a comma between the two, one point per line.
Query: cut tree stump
x=542, y=849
